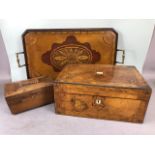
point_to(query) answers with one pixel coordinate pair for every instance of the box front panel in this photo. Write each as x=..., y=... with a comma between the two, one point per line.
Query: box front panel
x=30, y=100
x=96, y=106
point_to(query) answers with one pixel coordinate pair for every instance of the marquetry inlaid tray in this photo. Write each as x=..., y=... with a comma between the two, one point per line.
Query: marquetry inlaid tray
x=47, y=51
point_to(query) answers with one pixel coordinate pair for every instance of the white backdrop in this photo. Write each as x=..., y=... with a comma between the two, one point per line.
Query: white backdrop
x=134, y=37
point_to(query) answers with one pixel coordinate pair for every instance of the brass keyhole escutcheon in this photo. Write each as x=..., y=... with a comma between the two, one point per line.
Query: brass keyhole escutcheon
x=99, y=102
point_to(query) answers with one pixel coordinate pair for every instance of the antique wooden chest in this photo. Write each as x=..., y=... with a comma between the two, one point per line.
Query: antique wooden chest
x=28, y=94
x=102, y=91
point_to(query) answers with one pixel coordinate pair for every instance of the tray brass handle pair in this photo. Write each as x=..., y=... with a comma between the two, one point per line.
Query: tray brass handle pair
x=18, y=59
x=22, y=65
x=123, y=56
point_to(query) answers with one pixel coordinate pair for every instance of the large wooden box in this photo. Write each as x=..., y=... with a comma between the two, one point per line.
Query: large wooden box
x=102, y=91
x=28, y=94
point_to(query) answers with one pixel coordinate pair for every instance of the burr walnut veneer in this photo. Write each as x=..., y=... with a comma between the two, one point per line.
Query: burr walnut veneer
x=102, y=91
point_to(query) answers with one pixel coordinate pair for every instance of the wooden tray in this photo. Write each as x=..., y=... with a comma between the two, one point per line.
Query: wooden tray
x=47, y=51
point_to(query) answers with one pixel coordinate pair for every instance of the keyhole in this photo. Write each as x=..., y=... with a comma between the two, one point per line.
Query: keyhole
x=98, y=101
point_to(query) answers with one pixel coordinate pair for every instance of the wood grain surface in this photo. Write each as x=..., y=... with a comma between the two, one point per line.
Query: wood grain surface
x=28, y=94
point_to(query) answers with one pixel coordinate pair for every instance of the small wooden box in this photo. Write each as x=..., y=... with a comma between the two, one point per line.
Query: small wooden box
x=102, y=91
x=28, y=94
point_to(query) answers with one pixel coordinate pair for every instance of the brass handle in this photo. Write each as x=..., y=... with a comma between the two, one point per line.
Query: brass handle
x=18, y=60
x=123, y=56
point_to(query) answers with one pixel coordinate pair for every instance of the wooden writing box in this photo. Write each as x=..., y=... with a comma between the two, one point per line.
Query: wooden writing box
x=28, y=94
x=102, y=91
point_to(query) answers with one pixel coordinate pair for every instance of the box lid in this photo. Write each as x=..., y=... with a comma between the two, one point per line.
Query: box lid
x=102, y=76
